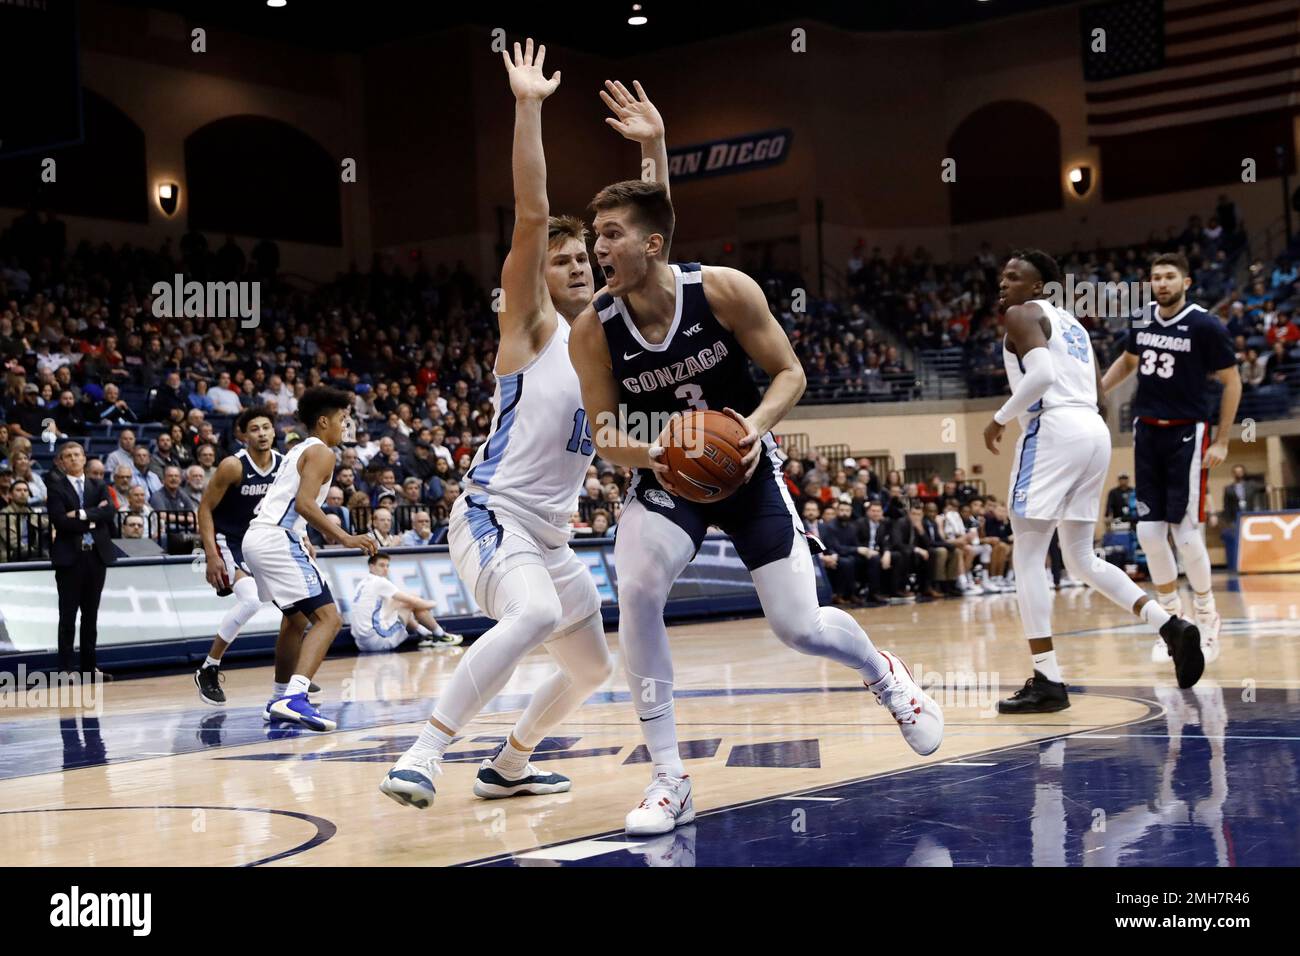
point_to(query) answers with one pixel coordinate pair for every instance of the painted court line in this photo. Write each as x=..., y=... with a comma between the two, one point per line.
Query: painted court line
x=582, y=850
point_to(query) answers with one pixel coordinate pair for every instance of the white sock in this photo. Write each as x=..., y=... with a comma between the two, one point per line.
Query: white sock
x=511, y=762
x=298, y=684
x=1154, y=614
x=1171, y=601
x=432, y=743
x=660, y=733
x=211, y=661
x=1204, y=602
x=1046, y=665
x=278, y=689
x=438, y=631
x=422, y=630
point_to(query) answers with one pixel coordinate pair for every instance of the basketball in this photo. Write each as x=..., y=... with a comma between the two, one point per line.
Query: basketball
x=703, y=451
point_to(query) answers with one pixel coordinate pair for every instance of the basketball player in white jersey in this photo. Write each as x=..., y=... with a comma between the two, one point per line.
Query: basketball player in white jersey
x=283, y=565
x=509, y=531
x=381, y=612
x=1057, y=477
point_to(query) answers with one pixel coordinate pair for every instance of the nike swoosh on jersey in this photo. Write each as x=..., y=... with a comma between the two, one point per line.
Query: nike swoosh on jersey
x=628, y=358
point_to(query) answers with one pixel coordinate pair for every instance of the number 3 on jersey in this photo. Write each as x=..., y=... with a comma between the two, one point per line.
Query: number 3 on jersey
x=1076, y=343
x=693, y=395
x=1151, y=357
x=580, y=440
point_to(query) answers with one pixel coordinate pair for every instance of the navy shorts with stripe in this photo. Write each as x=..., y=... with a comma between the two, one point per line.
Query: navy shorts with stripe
x=759, y=518
x=1163, y=458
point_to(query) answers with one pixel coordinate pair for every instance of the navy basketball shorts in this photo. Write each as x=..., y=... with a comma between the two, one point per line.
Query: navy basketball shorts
x=760, y=518
x=1169, y=478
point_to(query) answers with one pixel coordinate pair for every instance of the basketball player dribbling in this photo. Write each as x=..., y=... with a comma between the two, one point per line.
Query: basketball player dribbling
x=1174, y=346
x=1057, y=477
x=509, y=531
x=278, y=555
x=663, y=338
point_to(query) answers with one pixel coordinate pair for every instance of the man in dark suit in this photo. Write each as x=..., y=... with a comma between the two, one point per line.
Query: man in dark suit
x=82, y=515
x=1241, y=495
x=1121, y=502
x=840, y=538
x=917, y=552
x=876, y=554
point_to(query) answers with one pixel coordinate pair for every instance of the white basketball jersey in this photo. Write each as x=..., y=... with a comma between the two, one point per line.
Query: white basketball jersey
x=277, y=509
x=1074, y=376
x=537, y=454
x=368, y=614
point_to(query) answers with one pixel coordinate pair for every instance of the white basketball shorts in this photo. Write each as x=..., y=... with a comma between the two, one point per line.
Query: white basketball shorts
x=1059, y=471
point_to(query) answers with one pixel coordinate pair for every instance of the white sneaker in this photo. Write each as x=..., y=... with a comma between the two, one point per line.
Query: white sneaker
x=1209, y=623
x=918, y=716
x=667, y=804
x=1069, y=582
x=410, y=782
x=1160, y=652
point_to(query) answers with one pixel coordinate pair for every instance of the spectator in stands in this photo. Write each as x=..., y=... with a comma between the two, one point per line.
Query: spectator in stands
x=6, y=483
x=26, y=419
x=205, y=456
x=23, y=529
x=67, y=417
x=918, y=553
x=996, y=532
x=142, y=472
x=381, y=529
x=960, y=540
x=840, y=537
x=133, y=526
x=601, y=525
x=945, y=560
x=386, y=484
x=121, y=455
x=195, y=481
x=137, y=503
x=21, y=463
x=881, y=565
x=1242, y=494
x=120, y=488
x=168, y=398
x=225, y=400
x=964, y=490
x=164, y=454
x=172, y=497
x=112, y=408
x=1252, y=371
x=421, y=534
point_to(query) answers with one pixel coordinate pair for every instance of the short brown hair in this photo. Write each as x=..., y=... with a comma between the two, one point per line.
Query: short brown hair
x=563, y=228
x=1175, y=259
x=652, y=208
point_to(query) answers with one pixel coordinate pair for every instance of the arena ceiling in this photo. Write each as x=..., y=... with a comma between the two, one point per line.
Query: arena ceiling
x=590, y=25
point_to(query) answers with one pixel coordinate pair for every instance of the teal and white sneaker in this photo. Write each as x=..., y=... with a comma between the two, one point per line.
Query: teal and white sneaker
x=410, y=782
x=492, y=784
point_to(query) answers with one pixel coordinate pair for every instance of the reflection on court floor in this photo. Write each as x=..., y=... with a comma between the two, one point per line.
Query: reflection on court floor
x=792, y=761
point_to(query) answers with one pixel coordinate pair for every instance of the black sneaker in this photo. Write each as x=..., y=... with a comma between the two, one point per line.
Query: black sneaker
x=208, y=680
x=1183, y=639
x=1038, y=696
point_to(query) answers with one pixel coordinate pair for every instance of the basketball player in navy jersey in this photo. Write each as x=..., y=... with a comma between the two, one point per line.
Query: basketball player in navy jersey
x=663, y=338
x=227, y=507
x=1174, y=346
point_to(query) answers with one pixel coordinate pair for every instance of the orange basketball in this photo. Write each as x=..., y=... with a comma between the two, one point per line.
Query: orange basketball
x=702, y=449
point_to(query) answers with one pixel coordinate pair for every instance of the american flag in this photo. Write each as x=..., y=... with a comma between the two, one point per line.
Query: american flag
x=1175, y=62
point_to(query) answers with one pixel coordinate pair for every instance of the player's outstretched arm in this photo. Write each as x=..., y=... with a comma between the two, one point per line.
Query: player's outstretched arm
x=1025, y=334
x=740, y=305
x=1119, y=370
x=1231, y=379
x=314, y=469
x=637, y=119
x=227, y=474
x=589, y=353
x=523, y=309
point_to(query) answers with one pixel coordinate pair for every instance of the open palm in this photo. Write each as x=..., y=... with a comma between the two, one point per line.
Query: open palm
x=634, y=117
x=526, y=79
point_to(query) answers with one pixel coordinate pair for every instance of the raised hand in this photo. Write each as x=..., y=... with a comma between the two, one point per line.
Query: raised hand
x=526, y=79
x=636, y=118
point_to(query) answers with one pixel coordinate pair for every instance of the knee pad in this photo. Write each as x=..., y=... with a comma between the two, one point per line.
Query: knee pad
x=1152, y=534
x=1187, y=534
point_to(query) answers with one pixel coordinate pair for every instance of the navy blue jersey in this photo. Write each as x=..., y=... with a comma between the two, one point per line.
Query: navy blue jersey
x=699, y=365
x=234, y=511
x=1175, y=356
